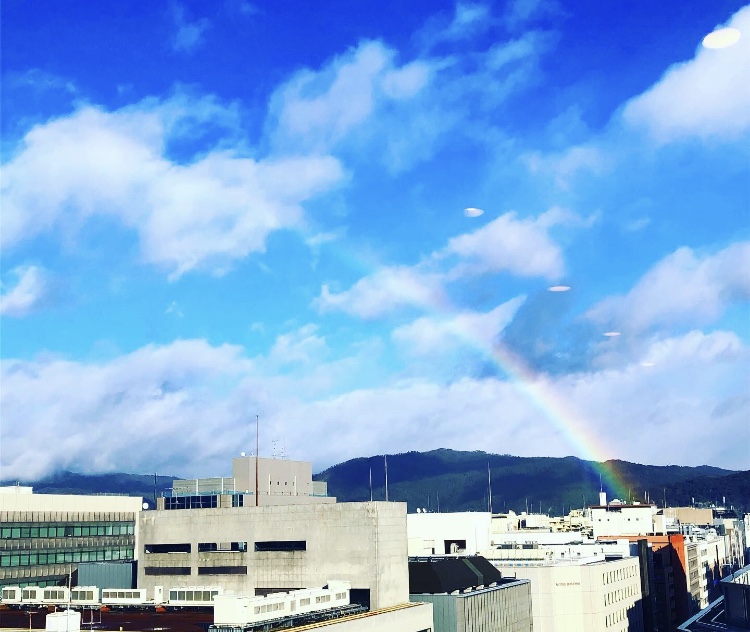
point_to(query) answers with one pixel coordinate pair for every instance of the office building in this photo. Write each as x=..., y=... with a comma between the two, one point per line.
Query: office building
x=43, y=537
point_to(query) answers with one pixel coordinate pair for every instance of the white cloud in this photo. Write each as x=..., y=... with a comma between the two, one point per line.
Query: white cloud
x=29, y=290
x=185, y=408
x=522, y=247
x=508, y=244
x=433, y=335
x=153, y=407
x=319, y=109
x=603, y=414
x=189, y=35
x=683, y=288
x=707, y=97
x=365, y=100
x=383, y=291
x=200, y=213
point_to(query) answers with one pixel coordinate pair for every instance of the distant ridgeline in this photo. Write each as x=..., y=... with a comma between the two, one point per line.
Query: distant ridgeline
x=458, y=481
x=117, y=483
x=451, y=480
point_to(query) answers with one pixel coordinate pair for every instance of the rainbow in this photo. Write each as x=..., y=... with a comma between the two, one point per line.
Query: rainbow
x=535, y=387
x=556, y=410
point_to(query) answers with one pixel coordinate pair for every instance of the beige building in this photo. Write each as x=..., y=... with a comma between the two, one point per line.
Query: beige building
x=589, y=596
x=257, y=550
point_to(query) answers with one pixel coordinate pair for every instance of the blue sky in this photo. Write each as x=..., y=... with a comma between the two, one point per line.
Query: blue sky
x=212, y=211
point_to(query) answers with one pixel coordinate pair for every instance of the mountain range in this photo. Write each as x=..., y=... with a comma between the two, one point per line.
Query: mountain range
x=449, y=480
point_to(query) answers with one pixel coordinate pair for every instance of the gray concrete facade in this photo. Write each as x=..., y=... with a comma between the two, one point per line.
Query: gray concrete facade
x=241, y=548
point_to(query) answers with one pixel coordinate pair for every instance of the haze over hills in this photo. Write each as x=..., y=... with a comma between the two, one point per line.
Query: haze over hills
x=458, y=481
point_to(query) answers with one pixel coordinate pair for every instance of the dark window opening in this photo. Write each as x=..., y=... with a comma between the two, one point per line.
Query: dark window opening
x=281, y=545
x=360, y=596
x=167, y=570
x=455, y=546
x=167, y=548
x=222, y=570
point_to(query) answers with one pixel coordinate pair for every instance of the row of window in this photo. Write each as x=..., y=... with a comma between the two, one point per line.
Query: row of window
x=619, y=616
x=619, y=574
x=202, y=570
x=618, y=595
x=271, y=607
x=204, y=547
x=18, y=558
x=200, y=501
x=192, y=595
x=76, y=529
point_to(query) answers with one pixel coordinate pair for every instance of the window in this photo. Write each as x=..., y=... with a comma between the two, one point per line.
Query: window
x=167, y=548
x=281, y=545
x=222, y=570
x=167, y=570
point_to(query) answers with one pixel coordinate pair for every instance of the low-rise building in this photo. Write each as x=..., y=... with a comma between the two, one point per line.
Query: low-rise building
x=468, y=593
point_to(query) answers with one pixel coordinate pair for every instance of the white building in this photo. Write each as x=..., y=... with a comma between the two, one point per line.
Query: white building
x=466, y=532
x=615, y=518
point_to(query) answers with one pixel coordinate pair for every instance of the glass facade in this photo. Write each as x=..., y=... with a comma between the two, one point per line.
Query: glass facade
x=43, y=553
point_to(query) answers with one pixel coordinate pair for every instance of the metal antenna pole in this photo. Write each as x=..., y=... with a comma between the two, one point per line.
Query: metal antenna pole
x=370, y=483
x=489, y=484
x=257, y=456
x=385, y=456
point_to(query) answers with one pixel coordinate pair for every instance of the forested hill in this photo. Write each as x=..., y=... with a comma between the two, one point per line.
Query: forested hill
x=65, y=482
x=459, y=481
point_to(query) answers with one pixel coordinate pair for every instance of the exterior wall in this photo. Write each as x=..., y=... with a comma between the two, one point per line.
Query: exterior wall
x=276, y=477
x=504, y=608
x=599, y=597
x=363, y=543
x=705, y=559
x=690, y=515
x=611, y=520
x=407, y=618
x=429, y=532
x=44, y=536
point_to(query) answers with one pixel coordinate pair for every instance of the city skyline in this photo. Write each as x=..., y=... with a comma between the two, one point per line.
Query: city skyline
x=520, y=228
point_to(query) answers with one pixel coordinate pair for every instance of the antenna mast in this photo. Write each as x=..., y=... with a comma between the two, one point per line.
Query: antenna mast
x=257, y=455
x=489, y=485
x=371, y=483
x=385, y=457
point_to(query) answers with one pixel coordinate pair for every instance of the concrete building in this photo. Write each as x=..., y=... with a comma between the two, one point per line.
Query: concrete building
x=43, y=537
x=468, y=593
x=280, y=482
x=258, y=550
x=581, y=595
x=466, y=532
